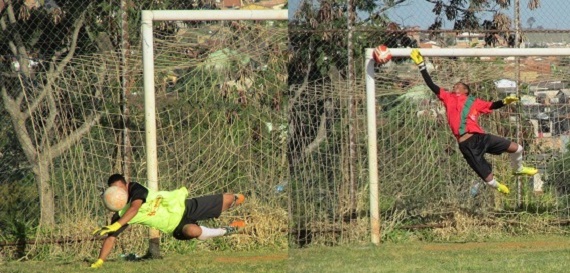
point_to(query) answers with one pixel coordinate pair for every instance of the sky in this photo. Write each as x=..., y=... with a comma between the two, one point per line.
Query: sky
x=551, y=15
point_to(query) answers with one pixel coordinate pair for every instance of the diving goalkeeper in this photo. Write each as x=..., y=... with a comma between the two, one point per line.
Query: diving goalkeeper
x=462, y=112
x=168, y=211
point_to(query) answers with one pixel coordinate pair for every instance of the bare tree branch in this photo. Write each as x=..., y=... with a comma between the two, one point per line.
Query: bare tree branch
x=56, y=71
x=37, y=100
x=57, y=149
x=64, y=144
x=18, y=48
x=19, y=121
x=322, y=131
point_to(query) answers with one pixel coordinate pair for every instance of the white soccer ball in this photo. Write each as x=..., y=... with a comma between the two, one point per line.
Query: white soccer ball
x=381, y=54
x=115, y=198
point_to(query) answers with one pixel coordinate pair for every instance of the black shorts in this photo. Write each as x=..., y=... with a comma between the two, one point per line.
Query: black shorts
x=197, y=209
x=475, y=148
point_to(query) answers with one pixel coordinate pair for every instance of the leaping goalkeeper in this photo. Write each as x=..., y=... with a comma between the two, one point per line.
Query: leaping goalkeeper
x=168, y=211
x=462, y=112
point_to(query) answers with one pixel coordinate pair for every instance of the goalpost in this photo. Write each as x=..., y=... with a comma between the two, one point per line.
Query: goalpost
x=407, y=73
x=148, y=18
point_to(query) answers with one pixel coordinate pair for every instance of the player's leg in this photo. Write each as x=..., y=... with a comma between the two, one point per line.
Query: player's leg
x=473, y=150
x=191, y=231
x=497, y=145
x=232, y=200
x=204, y=208
x=516, y=153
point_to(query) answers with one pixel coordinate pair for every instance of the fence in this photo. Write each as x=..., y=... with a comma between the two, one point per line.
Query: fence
x=275, y=111
x=80, y=118
x=423, y=179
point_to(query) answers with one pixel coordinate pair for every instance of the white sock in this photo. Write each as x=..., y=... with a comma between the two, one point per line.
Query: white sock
x=208, y=233
x=493, y=183
x=516, y=159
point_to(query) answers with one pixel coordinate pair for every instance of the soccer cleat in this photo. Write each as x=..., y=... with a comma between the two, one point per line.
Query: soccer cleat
x=234, y=227
x=526, y=171
x=502, y=188
x=238, y=199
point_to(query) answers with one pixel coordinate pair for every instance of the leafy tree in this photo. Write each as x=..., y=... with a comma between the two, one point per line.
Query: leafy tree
x=469, y=15
x=38, y=41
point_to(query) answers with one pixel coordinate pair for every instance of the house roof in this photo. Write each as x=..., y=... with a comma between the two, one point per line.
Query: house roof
x=505, y=83
x=470, y=34
x=547, y=85
x=565, y=91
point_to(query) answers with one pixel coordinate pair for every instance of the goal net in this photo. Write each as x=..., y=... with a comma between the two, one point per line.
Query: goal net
x=218, y=88
x=421, y=175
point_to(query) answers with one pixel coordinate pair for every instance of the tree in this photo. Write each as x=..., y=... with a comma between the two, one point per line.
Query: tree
x=38, y=41
x=41, y=41
x=467, y=15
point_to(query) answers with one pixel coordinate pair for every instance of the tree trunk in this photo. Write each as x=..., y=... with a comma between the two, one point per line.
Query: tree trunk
x=45, y=190
x=352, y=186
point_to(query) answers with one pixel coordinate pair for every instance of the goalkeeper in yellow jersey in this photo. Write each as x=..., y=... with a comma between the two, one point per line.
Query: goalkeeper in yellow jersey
x=168, y=211
x=462, y=112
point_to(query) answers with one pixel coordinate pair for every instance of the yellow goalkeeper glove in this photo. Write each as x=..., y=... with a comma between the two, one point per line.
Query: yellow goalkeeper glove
x=107, y=229
x=510, y=99
x=97, y=264
x=417, y=56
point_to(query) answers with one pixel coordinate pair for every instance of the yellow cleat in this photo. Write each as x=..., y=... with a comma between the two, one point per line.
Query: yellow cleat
x=530, y=171
x=502, y=188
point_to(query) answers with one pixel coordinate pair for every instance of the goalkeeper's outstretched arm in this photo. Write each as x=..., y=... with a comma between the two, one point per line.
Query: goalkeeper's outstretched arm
x=419, y=60
x=506, y=101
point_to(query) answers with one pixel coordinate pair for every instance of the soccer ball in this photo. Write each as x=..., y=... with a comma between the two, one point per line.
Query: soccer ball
x=115, y=198
x=381, y=54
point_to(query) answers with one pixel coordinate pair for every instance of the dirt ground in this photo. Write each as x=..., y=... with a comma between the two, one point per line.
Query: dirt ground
x=253, y=258
x=498, y=245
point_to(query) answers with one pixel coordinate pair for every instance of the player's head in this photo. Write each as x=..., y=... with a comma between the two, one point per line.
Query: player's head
x=461, y=88
x=113, y=179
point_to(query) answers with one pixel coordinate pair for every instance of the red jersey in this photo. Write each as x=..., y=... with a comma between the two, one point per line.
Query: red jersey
x=454, y=105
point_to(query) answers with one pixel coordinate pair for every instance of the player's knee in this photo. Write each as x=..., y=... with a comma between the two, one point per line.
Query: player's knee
x=192, y=231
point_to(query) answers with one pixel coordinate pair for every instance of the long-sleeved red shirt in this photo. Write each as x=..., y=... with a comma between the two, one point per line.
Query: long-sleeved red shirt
x=454, y=103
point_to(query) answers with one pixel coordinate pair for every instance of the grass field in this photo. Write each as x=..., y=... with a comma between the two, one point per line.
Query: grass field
x=537, y=254
x=225, y=261
x=522, y=254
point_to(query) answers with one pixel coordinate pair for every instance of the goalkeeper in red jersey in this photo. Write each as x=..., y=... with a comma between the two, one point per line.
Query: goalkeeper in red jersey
x=168, y=211
x=462, y=111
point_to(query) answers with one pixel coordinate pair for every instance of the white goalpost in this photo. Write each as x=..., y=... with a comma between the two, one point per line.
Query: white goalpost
x=148, y=18
x=372, y=103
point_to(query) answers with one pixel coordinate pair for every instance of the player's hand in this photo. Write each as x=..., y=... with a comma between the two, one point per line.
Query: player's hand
x=97, y=264
x=107, y=229
x=510, y=99
x=417, y=56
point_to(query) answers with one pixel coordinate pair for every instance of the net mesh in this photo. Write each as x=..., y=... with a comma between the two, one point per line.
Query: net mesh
x=421, y=169
x=226, y=121
x=219, y=113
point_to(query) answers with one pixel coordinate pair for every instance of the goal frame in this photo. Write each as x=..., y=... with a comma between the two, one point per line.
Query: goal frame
x=371, y=104
x=148, y=18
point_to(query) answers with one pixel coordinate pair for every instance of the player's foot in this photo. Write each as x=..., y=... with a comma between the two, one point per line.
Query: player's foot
x=502, y=188
x=526, y=171
x=238, y=199
x=234, y=227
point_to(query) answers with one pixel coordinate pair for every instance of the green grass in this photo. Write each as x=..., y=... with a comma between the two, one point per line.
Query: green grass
x=224, y=261
x=538, y=254
x=522, y=254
